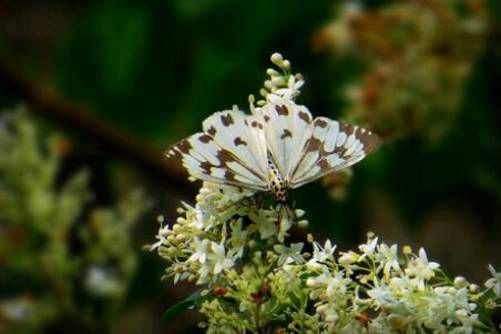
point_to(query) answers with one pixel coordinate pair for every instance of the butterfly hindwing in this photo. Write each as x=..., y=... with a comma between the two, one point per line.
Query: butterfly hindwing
x=332, y=146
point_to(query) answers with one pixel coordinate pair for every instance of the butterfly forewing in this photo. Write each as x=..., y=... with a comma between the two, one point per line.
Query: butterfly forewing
x=226, y=153
x=243, y=136
x=287, y=127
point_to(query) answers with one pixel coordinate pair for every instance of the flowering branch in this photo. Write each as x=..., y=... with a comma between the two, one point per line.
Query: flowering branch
x=236, y=248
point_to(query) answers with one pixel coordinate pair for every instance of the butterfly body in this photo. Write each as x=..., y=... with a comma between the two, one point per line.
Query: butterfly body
x=278, y=147
x=277, y=184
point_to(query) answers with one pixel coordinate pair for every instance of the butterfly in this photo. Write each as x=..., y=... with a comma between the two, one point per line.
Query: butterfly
x=278, y=147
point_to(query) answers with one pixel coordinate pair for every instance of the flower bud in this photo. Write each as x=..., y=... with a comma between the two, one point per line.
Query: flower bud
x=311, y=282
x=277, y=59
x=322, y=308
x=302, y=223
x=460, y=282
x=348, y=258
x=473, y=288
x=299, y=213
x=278, y=81
x=272, y=72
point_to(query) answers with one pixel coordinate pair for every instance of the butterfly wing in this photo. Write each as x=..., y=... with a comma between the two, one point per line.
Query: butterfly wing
x=231, y=150
x=287, y=128
x=331, y=146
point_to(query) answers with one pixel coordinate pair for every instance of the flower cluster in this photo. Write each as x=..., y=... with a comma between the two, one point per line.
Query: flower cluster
x=255, y=280
x=211, y=237
x=236, y=247
x=416, y=57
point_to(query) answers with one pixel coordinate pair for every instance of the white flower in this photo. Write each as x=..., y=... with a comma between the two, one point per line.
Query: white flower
x=201, y=250
x=161, y=236
x=331, y=285
x=321, y=254
x=368, y=248
x=421, y=269
x=218, y=258
x=201, y=217
x=468, y=322
x=494, y=283
x=292, y=90
x=388, y=258
x=180, y=272
x=381, y=295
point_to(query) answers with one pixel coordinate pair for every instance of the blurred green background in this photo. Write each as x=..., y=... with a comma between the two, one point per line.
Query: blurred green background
x=149, y=72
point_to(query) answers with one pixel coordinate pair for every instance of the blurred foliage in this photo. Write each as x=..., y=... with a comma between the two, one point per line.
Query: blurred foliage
x=416, y=56
x=59, y=261
x=179, y=60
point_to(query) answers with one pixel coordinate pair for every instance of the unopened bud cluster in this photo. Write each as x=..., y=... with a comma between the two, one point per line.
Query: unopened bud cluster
x=281, y=83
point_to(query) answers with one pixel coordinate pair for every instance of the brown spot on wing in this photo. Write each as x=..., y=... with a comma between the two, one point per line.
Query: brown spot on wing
x=224, y=157
x=266, y=118
x=324, y=165
x=256, y=124
x=227, y=120
x=320, y=123
x=282, y=110
x=304, y=116
x=230, y=176
x=369, y=139
x=205, y=138
x=347, y=128
x=212, y=131
x=286, y=134
x=183, y=146
x=239, y=141
x=206, y=166
x=313, y=144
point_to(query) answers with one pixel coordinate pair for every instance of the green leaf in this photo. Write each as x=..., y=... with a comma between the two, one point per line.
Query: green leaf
x=190, y=302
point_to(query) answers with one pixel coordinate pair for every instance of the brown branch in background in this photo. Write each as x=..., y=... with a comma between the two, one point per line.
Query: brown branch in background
x=81, y=120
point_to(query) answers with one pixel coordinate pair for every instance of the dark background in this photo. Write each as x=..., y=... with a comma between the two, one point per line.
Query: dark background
x=149, y=72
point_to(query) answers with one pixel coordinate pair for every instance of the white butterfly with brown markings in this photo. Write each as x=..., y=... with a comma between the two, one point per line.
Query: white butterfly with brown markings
x=277, y=148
